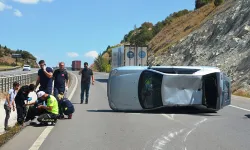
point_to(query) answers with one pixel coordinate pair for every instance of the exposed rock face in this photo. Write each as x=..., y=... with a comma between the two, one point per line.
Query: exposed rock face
x=222, y=41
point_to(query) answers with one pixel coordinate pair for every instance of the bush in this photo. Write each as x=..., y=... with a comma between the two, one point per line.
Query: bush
x=218, y=2
x=201, y=3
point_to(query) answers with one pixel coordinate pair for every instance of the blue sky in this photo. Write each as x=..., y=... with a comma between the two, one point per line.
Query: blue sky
x=66, y=30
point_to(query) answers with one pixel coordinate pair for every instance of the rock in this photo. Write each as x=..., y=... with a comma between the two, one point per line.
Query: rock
x=222, y=41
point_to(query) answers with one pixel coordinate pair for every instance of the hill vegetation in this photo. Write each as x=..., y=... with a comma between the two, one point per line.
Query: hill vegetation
x=163, y=34
x=7, y=60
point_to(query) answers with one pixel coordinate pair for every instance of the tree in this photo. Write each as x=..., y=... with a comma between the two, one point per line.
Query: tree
x=101, y=63
x=147, y=25
x=218, y=2
x=201, y=3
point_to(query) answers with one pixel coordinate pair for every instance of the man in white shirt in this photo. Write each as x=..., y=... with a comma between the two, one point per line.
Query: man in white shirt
x=9, y=103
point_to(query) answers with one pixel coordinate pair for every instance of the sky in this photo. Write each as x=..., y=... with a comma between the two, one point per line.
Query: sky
x=67, y=30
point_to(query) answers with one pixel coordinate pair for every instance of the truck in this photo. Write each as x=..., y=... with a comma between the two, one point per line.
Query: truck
x=76, y=65
x=129, y=55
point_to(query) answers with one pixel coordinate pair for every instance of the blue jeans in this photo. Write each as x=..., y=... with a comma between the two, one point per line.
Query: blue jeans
x=85, y=88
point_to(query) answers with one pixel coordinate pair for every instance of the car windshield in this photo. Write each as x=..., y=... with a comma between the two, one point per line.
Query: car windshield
x=26, y=66
x=150, y=89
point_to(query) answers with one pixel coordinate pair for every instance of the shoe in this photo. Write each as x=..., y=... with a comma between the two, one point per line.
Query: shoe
x=70, y=116
x=86, y=101
x=81, y=101
x=61, y=117
x=7, y=129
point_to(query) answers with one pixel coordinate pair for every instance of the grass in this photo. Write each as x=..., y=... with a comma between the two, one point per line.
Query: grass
x=242, y=93
x=4, y=138
x=180, y=28
x=5, y=67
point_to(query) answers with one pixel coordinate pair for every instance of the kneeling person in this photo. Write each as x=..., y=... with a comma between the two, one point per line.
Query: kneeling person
x=65, y=106
x=47, y=113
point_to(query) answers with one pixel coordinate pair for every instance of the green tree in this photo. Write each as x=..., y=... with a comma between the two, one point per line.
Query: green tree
x=147, y=25
x=100, y=63
x=218, y=2
x=157, y=28
x=201, y=3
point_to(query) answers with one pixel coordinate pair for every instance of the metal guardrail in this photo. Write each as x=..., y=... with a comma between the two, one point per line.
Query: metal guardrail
x=7, y=82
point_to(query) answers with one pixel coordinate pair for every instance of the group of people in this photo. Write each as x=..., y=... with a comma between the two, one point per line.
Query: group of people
x=49, y=106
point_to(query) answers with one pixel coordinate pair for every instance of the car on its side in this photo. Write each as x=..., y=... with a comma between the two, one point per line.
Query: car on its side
x=136, y=88
x=26, y=68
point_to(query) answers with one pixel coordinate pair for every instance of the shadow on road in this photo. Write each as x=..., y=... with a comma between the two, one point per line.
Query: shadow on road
x=74, y=103
x=35, y=124
x=168, y=110
x=102, y=80
x=248, y=116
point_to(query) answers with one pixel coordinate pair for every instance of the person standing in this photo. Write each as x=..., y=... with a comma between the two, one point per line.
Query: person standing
x=45, y=75
x=9, y=103
x=86, y=73
x=61, y=80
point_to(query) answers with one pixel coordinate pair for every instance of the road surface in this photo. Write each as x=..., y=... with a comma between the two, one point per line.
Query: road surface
x=16, y=72
x=95, y=127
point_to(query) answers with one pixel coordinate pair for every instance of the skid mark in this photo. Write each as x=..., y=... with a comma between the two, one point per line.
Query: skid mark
x=162, y=142
x=197, y=124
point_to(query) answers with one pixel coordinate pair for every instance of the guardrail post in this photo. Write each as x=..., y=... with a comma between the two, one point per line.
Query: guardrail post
x=5, y=84
x=8, y=85
x=1, y=85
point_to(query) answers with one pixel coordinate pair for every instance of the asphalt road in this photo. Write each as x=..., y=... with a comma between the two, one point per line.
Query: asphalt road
x=95, y=127
x=16, y=72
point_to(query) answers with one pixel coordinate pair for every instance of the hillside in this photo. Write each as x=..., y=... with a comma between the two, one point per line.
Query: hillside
x=222, y=40
x=7, y=60
x=164, y=33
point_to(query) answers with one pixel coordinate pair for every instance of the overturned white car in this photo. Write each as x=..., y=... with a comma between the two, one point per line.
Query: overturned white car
x=135, y=88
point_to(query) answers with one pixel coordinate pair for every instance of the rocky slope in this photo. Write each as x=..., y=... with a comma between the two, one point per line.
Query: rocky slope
x=223, y=40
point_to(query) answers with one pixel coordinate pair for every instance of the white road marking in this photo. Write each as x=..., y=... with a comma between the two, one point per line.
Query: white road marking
x=48, y=129
x=167, y=116
x=239, y=108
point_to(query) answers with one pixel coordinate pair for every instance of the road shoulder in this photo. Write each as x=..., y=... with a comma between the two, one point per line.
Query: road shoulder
x=27, y=136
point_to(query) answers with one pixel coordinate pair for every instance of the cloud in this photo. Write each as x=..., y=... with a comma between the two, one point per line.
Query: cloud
x=4, y=6
x=32, y=1
x=92, y=54
x=49, y=1
x=18, y=13
x=72, y=54
x=27, y=1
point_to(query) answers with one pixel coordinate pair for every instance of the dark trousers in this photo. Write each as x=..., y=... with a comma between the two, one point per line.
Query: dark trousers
x=85, y=89
x=44, y=116
x=7, y=117
x=69, y=111
x=47, y=117
x=21, y=114
x=47, y=90
x=56, y=92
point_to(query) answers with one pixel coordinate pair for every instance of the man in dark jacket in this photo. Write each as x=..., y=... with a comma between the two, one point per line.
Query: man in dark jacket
x=20, y=99
x=61, y=80
x=86, y=73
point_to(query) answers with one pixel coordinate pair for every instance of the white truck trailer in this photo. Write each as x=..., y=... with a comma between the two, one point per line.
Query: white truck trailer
x=127, y=55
